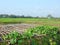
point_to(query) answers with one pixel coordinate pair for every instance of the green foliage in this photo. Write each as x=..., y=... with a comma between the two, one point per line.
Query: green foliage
x=49, y=33
x=48, y=30
x=12, y=37
x=41, y=35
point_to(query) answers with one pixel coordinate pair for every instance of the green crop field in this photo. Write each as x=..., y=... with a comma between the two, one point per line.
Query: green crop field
x=38, y=21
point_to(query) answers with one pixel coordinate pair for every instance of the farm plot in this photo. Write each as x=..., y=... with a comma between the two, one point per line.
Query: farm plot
x=40, y=35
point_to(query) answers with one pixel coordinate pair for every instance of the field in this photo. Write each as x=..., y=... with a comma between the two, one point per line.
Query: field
x=31, y=25
x=39, y=21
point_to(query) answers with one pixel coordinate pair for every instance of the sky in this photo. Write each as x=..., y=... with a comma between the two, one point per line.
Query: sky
x=30, y=7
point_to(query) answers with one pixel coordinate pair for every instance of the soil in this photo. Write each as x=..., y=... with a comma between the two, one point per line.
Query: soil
x=5, y=29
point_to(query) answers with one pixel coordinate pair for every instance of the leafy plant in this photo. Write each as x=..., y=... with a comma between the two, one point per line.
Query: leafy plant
x=41, y=35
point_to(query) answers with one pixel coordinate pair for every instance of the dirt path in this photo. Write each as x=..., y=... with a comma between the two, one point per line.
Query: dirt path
x=5, y=29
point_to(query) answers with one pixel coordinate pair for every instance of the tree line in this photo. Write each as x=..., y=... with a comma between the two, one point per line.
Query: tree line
x=22, y=16
x=14, y=16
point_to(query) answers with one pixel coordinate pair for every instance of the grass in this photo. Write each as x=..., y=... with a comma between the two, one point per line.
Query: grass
x=38, y=21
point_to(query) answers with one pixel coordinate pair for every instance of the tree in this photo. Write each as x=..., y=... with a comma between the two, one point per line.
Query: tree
x=49, y=16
